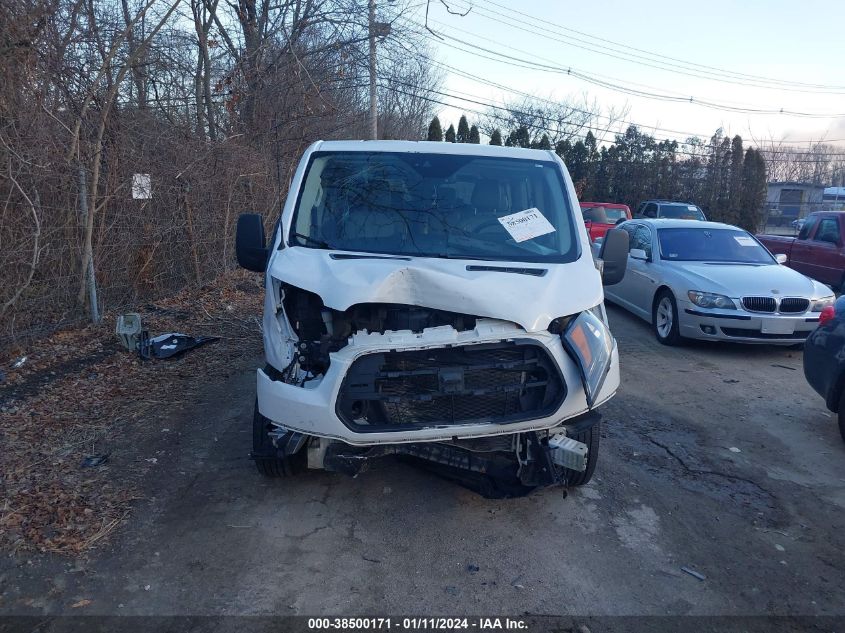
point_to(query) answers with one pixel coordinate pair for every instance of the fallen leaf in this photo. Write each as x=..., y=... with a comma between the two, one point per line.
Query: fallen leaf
x=82, y=603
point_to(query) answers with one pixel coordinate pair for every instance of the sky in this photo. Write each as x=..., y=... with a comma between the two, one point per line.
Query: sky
x=787, y=46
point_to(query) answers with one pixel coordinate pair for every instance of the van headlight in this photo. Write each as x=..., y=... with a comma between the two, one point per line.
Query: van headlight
x=820, y=304
x=590, y=343
x=711, y=300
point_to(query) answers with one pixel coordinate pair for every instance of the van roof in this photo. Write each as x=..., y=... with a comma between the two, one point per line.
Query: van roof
x=434, y=147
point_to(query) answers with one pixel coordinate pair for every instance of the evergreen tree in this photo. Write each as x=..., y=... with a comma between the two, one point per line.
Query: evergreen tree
x=450, y=134
x=543, y=143
x=463, y=130
x=474, y=136
x=435, y=132
x=519, y=138
x=496, y=137
x=734, y=210
x=753, y=190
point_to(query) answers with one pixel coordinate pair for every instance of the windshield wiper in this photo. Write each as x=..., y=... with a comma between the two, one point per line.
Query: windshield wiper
x=312, y=241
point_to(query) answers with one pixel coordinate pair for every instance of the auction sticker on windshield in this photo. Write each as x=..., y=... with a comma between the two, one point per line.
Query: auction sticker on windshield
x=744, y=240
x=526, y=225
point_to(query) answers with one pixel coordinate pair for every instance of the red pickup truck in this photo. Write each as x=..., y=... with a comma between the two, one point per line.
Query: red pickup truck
x=819, y=249
x=603, y=216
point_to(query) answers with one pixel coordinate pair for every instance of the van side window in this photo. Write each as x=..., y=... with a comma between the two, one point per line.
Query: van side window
x=650, y=210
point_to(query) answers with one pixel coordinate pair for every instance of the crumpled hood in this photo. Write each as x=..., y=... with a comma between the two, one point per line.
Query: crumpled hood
x=741, y=280
x=444, y=284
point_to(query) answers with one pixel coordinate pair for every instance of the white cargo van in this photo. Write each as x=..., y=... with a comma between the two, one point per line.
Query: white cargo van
x=438, y=301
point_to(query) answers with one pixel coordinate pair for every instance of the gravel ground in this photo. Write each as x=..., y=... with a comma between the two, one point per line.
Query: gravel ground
x=715, y=458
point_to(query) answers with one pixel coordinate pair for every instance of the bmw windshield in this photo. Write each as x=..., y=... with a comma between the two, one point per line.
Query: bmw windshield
x=696, y=244
x=435, y=205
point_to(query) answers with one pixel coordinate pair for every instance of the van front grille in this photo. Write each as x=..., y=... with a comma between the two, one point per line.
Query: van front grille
x=475, y=384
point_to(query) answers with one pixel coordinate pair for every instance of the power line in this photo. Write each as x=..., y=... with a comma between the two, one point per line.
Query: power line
x=500, y=108
x=490, y=82
x=618, y=87
x=650, y=59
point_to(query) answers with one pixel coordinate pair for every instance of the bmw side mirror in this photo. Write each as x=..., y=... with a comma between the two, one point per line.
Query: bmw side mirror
x=250, y=248
x=613, y=256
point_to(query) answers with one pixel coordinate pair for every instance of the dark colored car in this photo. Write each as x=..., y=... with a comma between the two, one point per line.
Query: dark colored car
x=819, y=249
x=824, y=359
x=670, y=209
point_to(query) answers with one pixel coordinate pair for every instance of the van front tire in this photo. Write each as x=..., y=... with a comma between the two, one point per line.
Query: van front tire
x=263, y=451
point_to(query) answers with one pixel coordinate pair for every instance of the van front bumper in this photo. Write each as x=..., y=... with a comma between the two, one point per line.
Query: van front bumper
x=312, y=408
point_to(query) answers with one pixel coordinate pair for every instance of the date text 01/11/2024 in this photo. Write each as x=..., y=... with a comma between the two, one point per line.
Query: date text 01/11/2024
x=417, y=624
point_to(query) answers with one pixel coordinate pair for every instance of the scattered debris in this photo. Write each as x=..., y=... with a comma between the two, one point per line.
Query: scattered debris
x=734, y=449
x=57, y=505
x=19, y=362
x=92, y=461
x=473, y=569
x=731, y=381
x=82, y=603
x=780, y=547
x=371, y=560
x=451, y=590
x=170, y=345
x=146, y=587
x=693, y=573
x=783, y=367
x=152, y=460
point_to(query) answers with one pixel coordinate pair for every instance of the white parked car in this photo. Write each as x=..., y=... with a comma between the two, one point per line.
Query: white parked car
x=435, y=300
x=707, y=280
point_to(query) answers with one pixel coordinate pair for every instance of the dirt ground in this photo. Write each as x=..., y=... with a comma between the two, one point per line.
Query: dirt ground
x=715, y=458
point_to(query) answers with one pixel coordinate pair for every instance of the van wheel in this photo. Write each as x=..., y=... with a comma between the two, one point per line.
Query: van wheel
x=263, y=449
x=590, y=437
x=664, y=319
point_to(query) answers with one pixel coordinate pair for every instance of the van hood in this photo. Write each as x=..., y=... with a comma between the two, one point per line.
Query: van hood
x=481, y=288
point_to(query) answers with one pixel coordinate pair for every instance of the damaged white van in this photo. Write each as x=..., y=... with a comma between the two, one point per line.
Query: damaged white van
x=437, y=301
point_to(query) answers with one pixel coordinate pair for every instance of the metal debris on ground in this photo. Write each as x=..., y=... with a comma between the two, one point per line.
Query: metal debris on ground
x=169, y=345
x=19, y=362
x=693, y=573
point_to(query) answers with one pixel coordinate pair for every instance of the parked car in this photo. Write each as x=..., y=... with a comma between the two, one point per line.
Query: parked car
x=798, y=224
x=824, y=359
x=819, y=249
x=706, y=280
x=434, y=300
x=600, y=217
x=670, y=210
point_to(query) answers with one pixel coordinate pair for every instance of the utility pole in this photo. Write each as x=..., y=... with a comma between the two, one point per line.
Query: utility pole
x=373, y=95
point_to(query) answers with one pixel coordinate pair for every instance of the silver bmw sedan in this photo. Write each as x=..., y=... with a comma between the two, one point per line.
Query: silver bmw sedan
x=712, y=281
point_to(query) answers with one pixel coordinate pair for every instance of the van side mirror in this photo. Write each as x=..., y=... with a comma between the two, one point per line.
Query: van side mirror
x=781, y=258
x=639, y=253
x=614, y=256
x=250, y=248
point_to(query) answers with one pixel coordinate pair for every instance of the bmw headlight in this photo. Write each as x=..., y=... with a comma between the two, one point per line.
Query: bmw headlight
x=821, y=304
x=711, y=300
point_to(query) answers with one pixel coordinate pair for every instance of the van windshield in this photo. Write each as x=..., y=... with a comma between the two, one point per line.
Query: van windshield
x=435, y=205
